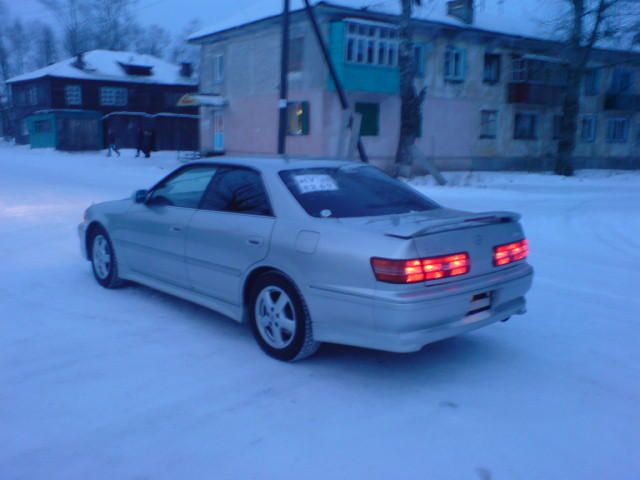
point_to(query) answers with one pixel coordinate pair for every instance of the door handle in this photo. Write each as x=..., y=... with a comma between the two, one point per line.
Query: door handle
x=175, y=229
x=255, y=241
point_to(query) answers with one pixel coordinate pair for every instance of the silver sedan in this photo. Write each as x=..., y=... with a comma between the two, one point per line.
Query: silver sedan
x=310, y=251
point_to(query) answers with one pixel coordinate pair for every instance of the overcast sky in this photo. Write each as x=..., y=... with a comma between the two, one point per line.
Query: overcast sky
x=171, y=14
x=526, y=17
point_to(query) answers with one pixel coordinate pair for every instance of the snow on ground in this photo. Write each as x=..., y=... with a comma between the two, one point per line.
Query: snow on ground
x=134, y=384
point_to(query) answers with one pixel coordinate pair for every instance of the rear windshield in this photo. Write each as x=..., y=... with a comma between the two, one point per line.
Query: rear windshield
x=352, y=191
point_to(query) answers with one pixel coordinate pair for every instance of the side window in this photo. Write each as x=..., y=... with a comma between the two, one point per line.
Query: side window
x=237, y=190
x=185, y=189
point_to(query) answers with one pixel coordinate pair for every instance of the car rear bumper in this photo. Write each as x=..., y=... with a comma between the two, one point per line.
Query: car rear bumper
x=406, y=323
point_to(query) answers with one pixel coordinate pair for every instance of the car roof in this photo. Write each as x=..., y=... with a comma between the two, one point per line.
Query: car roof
x=275, y=164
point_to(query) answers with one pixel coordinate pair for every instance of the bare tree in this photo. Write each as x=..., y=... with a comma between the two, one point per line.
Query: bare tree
x=4, y=56
x=591, y=23
x=73, y=19
x=182, y=51
x=44, y=43
x=113, y=23
x=153, y=40
x=411, y=100
x=19, y=46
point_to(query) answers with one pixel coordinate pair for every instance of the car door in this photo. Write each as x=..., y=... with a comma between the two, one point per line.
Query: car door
x=154, y=231
x=230, y=232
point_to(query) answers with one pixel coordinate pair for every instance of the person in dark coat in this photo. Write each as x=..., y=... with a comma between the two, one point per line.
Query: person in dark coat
x=111, y=140
x=147, y=142
x=139, y=140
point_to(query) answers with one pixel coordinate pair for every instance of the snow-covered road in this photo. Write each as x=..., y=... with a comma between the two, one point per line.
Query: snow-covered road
x=134, y=384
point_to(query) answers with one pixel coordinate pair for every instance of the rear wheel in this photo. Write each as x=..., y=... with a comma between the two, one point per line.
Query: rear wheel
x=103, y=259
x=280, y=319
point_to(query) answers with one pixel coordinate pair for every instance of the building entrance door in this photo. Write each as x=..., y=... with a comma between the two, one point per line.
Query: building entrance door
x=218, y=132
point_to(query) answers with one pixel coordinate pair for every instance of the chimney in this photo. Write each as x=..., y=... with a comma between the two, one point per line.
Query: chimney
x=186, y=69
x=80, y=63
x=462, y=10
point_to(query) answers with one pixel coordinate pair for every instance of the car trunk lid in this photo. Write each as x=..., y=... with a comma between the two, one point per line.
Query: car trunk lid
x=445, y=232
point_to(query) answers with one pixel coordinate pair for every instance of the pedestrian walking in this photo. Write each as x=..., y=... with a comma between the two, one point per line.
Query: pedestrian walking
x=139, y=140
x=111, y=140
x=147, y=142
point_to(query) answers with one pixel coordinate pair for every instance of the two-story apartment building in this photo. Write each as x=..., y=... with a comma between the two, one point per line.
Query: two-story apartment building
x=120, y=90
x=492, y=99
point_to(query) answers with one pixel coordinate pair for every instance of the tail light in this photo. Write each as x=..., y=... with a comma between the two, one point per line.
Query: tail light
x=420, y=269
x=511, y=252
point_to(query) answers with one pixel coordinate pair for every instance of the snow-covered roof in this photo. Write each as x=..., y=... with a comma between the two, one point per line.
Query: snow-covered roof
x=529, y=18
x=108, y=65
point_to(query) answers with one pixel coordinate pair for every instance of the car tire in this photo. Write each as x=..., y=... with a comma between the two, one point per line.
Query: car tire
x=103, y=259
x=276, y=307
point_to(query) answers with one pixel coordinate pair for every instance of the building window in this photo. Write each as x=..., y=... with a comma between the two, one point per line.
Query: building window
x=42, y=126
x=454, y=64
x=525, y=126
x=591, y=83
x=370, y=126
x=296, y=54
x=617, y=130
x=298, y=118
x=588, y=128
x=218, y=68
x=621, y=81
x=113, y=96
x=73, y=94
x=420, y=57
x=32, y=96
x=557, y=126
x=538, y=71
x=488, y=124
x=491, y=68
x=371, y=44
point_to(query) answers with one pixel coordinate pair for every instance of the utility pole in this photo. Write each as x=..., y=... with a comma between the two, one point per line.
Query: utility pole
x=344, y=102
x=284, y=69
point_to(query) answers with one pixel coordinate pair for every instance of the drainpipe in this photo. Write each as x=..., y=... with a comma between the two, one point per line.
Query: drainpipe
x=284, y=68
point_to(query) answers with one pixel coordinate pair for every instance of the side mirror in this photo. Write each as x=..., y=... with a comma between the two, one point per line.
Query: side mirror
x=140, y=196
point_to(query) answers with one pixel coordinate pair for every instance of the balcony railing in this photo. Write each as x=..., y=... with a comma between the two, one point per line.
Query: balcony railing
x=625, y=102
x=536, y=94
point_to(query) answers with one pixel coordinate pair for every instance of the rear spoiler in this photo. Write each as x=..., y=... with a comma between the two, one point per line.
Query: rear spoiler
x=462, y=222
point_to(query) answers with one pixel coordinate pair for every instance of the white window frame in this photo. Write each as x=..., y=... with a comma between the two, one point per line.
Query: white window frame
x=114, y=96
x=498, y=67
x=536, y=133
x=73, y=95
x=593, y=129
x=487, y=134
x=32, y=96
x=454, y=64
x=218, y=68
x=625, y=123
x=371, y=44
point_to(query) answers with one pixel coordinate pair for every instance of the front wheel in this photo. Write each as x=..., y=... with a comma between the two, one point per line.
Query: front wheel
x=103, y=260
x=280, y=320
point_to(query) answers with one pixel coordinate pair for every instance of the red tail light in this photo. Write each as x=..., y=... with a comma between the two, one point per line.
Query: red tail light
x=421, y=269
x=512, y=252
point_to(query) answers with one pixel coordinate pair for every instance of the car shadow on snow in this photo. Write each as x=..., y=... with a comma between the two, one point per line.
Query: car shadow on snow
x=468, y=356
